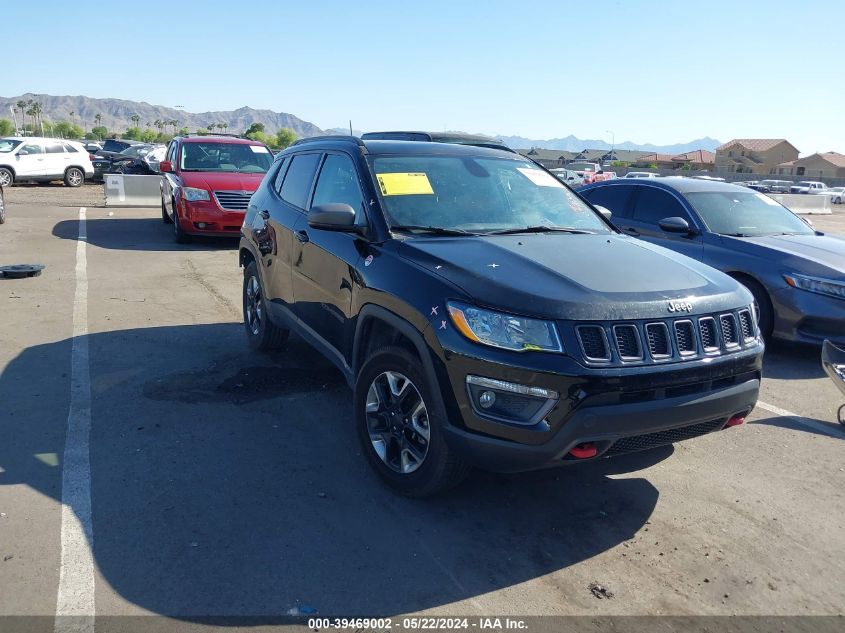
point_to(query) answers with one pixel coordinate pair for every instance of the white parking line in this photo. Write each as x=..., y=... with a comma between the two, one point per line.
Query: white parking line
x=75, y=600
x=813, y=424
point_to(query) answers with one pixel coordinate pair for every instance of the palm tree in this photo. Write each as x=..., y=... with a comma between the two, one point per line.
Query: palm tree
x=210, y=127
x=98, y=118
x=175, y=125
x=135, y=119
x=225, y=126
x=22, y=107
x=158, y=124
x=37, y=109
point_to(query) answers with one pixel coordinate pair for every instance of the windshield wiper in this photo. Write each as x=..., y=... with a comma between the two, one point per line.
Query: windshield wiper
x=433, y=230
x=540, y=229
x=737, y=234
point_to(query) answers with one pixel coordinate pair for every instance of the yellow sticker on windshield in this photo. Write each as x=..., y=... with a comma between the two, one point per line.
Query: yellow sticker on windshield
x=404, y=184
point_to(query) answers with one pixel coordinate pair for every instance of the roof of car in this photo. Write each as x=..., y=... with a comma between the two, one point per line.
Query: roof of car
x=201, y=138
x=678, y=183
x=402, y=147
x=460, y=138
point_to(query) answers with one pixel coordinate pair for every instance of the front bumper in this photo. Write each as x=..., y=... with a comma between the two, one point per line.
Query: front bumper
x=808, y=317
x=205, y=217
x=615, y=410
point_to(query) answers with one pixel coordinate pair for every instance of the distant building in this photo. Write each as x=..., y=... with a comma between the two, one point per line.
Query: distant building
x=696, y=160
x=551, y=158
x=548, y=158
x=754, y=155
x=823, y=165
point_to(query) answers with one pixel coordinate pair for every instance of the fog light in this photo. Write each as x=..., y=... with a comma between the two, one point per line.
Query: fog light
x=486, y=399
x=201, y=225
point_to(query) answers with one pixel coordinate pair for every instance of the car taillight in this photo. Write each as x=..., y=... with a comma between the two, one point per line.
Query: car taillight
x=91, y=157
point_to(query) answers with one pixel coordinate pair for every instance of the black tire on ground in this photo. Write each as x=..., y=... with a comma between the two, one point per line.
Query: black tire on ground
x=165, y=217
x=261, y=332
x=7, y=178
x=74, y=177
x=179, y=235
x=762, y=304
x=440, y=468
x=2, y=208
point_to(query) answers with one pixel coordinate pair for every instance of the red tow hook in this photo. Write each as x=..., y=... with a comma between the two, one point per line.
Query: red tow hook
x=584, y=451
x=736, y=420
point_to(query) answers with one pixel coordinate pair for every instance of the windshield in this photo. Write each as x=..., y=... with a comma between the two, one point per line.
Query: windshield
x=237, y=157
x=136, y=150
x=745, y=213
x=8, y=144
x=477, y=194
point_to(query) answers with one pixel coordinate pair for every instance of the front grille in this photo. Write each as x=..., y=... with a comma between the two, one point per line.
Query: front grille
x=661, y=438
x=729, y=330
x=709, y=337
x=233, y=200
x=593, y=342
x=628, y=342
x=658, y=340
x=685, y=337
x=746, y=324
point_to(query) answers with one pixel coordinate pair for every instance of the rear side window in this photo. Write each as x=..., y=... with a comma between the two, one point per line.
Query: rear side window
x=280, y=174
x=70, y=148
x=614, y=198
x=55, y=148
x=297, y=184
x=654, y=204
x=338, y=183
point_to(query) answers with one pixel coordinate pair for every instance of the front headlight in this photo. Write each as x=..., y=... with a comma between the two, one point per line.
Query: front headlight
x=193, y=195
x=829, y=287
x=507, y=331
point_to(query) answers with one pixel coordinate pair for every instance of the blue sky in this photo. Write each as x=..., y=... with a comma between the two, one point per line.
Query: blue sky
x=651, y=71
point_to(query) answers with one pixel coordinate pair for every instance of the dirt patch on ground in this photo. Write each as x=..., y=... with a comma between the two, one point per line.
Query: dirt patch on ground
x=91, y=194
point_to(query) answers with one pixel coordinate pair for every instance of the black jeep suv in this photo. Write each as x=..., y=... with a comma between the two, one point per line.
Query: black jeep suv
x=484, y=314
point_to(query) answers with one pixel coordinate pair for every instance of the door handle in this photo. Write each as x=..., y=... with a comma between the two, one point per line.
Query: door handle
x=264, y=214
x=302, y=237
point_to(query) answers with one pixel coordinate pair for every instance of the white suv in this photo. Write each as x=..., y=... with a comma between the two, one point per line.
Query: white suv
x=43, y=159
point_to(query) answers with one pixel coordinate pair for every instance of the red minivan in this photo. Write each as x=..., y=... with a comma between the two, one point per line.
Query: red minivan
x=207, y=182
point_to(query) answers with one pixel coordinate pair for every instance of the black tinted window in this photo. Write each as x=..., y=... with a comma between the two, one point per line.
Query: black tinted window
x=653, y=205
x=70, y=148
x=614, y=198
x=280, y=174
x=298, y=180
x=338, y=182
x=55, y=148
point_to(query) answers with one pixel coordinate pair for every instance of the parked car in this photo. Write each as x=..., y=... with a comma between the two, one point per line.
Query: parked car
x=154, y=157
x=117, y=145
x=92, y=147
x=589, y=171
x=2, y=206
x=439, y=137
x=485, y=314
x=836, y=194
x=571, y=178
x=640, y=174
x=38, y=159
x=772, y=186
x=796, y=274
x=207, y=182
x=128, y=161
x=807, y=186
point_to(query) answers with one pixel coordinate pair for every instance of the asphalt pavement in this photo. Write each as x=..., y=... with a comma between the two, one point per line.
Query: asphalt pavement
x=227, y=482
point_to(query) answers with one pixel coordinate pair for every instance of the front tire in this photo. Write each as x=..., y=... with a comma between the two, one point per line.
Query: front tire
x=262, y=334
x=74, y=177
x=165, y=217
x=762, y=305
x=7, y=178
x=179, y=234
x=400, y=425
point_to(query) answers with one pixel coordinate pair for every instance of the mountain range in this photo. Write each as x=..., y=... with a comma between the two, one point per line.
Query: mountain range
x=115, y=114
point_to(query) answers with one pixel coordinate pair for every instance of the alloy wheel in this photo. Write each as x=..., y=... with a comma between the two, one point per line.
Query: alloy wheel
x=5, y=178
x=254, y=306
x=398, y=422
x=74, y=177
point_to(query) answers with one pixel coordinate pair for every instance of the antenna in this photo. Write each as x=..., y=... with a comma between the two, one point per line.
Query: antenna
x=350, y=128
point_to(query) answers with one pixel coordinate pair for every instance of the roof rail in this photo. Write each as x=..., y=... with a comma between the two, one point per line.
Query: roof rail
x=330, y=137
x=213, y=134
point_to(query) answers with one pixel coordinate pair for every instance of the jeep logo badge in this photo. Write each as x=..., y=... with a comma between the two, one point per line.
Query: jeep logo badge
x=680, y=306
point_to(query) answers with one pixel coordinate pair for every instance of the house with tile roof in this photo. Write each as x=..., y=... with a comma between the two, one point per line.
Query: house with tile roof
x=819, y=165
x=697, y=160
x=754, y=155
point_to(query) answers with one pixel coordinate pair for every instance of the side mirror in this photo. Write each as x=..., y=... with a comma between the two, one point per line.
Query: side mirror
x=675, y=225
x=604, y=211
x=332, y=217
x=166, y=167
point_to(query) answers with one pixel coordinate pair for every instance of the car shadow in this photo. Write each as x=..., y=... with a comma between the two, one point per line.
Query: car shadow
x=231, y=483
x=138, y=234
x=792, y=361
x=826, y=428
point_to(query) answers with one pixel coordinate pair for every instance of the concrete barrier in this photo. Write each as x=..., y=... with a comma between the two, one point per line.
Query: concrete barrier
x=123, y=190
x=804, y=204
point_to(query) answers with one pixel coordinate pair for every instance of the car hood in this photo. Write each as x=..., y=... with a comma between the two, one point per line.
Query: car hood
x=221, y=181
x=579, y=277
x=811, y=254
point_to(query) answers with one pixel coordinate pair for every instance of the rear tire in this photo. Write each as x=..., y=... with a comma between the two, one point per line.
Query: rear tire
x=262, y=334
x=7, y=178
x=2, y=208
x=394, y=411
x=74, y=177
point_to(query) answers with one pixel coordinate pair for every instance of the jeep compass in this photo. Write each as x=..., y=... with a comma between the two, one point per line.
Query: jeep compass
x=484, y=314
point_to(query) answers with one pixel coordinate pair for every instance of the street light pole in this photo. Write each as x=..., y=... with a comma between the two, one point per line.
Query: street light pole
x=612, y=139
